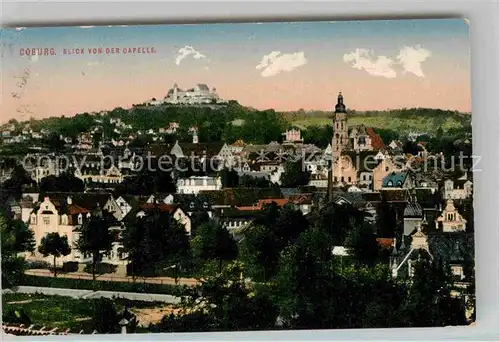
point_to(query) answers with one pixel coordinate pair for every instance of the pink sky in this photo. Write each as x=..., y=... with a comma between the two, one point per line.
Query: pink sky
x=315, y=61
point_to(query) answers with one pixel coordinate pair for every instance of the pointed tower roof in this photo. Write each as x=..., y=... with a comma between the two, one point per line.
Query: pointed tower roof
x=340, y=106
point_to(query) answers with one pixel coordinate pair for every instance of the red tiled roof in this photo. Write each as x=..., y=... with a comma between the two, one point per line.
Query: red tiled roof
x=260, y=204
x=279, y=201
x=76, y=209
x=377, y=142
x=385, y=243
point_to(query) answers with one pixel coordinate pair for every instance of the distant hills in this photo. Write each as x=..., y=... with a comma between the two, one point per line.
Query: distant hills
x=402, y=120
x=233, y=121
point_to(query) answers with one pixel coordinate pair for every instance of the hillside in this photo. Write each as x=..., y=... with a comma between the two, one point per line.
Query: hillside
x=401, y=120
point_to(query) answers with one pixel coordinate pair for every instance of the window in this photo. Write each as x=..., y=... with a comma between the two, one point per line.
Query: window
x=80, y=219
x=342, y=178
x=389, y=183
x=364, y=177
x=46, y=220
x=399, y=183
x=387, y=169
x=349, y=179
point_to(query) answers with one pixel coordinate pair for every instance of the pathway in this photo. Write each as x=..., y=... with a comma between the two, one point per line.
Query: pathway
x=109, y=277
x=87, y=294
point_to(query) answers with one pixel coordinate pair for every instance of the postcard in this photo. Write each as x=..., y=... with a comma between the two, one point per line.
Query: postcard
x=236, y=176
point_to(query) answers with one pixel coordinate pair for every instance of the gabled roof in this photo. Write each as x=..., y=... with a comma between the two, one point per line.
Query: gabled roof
x=394, y=180
x=413, y=210
x=377, y=142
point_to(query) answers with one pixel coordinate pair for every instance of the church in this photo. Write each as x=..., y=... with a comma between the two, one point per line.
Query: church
x=353, y=153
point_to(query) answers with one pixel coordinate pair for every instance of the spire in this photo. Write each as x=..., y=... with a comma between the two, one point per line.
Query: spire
x=340, y=107
x=395, y=249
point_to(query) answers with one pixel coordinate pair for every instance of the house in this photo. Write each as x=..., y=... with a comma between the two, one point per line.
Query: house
x=261, y=203
x=303, y=201
x=364, y=138
x=195, y=184
x=292, y=136
x=396, y=145
x=235, y=220
x=459, y=189
x=63, y=217
x=412, y=216
x=450, y=219
x=177, y=213
x=454, y=249
x=397, y=180
x=319, y=181
x=237, y=146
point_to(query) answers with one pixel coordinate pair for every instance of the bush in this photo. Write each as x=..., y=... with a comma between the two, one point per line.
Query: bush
x=104, y=316
x=16, y=317
x=99, y=285
x=70, y=266
x=38, y=265
x=101, y=268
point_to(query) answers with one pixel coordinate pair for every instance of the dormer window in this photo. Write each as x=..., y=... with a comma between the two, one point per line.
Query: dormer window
x=399, y=183
x=389, y=183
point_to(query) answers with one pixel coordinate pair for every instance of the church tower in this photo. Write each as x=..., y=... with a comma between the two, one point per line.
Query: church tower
x=340, y=136
x=340, y=140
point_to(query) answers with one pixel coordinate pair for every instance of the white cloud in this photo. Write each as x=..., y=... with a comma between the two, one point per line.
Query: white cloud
x=276, y=62
x=411, y=58
x=187, y=51
x=20, y=28
x=34, y=58
x=363, y=59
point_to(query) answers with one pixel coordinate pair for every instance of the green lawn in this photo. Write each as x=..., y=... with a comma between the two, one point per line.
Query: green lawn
x=63, y=312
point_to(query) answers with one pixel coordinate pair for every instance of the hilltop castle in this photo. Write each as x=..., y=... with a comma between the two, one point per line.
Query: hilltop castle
x=199, y=94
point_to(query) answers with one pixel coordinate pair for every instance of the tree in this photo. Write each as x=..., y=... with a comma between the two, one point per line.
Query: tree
x=386, y=219
x=225, y=301
x=336, y=220
x=429, y=302
x=65, y=182
x=154, y=242
x=214, y=242
x=13, y=186
x=272, y=231
x=105, y=319
x=229, y=178
x=362, y=244
x=95, y=238
x=295, y=174
x=55, y=245
x=304, y=284
x=15, y=238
